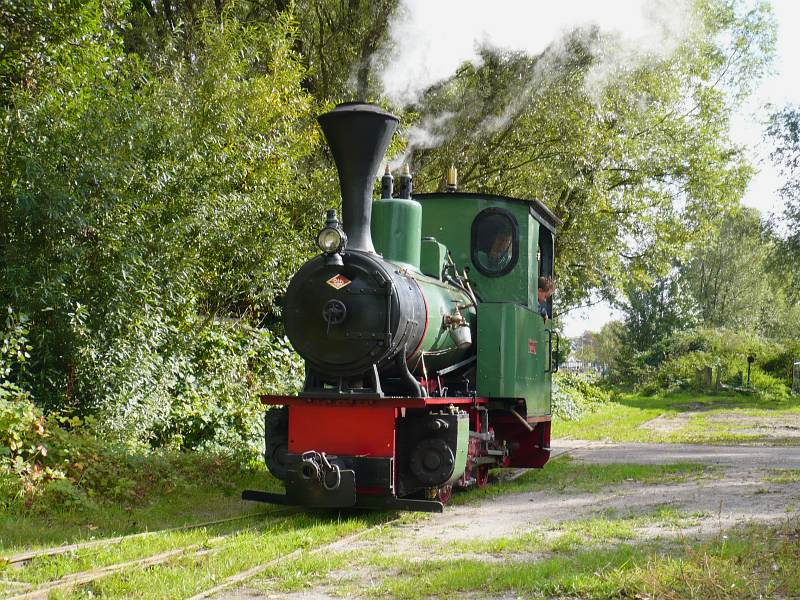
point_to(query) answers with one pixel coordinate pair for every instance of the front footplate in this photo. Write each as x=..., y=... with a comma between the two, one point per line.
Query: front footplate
x=364, y=501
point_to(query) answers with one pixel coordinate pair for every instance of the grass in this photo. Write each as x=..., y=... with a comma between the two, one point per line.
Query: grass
x=204, y=499
x=687, y=418
x=782, y=476
x=756, y=562
x=188, y=574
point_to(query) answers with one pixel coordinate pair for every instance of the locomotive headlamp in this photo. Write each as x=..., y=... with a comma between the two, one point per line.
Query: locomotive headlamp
x=330, y=240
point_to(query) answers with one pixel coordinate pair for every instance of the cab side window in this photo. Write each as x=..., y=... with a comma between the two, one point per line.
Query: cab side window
x=495, y=242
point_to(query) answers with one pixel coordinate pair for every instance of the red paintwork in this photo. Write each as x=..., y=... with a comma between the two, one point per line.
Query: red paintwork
x=366, y=427
x=366, y=402
x=524, y=444
x=352, y=431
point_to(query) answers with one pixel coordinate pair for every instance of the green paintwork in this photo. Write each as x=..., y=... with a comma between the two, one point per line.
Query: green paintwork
x=433, y=258
x=507, y=321
x=448, y=218
x=514, y=355
x=437, y=345
x=400, y=245
x=462, y=447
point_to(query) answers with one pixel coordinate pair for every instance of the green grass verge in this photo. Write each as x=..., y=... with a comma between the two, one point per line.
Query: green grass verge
x=758, y=562
x=686, y=418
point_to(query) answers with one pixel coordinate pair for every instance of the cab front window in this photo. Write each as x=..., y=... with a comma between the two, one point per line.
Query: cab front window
x=495, y=242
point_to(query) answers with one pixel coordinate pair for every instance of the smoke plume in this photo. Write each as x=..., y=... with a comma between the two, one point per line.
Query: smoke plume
x=429, y=40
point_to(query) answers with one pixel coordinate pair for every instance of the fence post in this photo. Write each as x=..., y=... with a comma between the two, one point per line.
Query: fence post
x=707, y=376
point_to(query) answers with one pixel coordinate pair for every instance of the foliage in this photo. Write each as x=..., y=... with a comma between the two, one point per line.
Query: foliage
x=609, y=343
x=32, y=34
x=732, y=279
x=63, y=462
x=673, y=364
x=57, y=459
x=152, y=210
x=784, y=131
x=633, y=156
x=574, y=397
x=14, y=355
x=335, y=41
x=586, y=353
x=651, y=314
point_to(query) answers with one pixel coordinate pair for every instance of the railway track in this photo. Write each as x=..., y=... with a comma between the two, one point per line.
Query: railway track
x=18, y=590
x=247, y=574
x=24, y=591
x=29, y=591
x=24, y=557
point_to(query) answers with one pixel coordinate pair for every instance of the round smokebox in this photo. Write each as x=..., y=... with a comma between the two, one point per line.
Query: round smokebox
x=343, y=319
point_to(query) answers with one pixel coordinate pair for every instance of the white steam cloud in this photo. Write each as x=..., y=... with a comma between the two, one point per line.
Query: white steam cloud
x=431, y=39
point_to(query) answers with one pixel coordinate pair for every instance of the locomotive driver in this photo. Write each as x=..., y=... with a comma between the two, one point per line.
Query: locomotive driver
x=500, y=253
x=546, y=288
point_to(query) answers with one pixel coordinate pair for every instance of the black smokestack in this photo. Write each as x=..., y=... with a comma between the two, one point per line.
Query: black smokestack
x=358, y=134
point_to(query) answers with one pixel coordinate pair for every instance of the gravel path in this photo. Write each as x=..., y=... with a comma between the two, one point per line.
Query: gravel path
x=734, y=492
x=759, y=457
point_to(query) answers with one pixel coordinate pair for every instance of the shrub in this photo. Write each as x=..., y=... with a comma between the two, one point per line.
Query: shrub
x=573, y=397
x=54, y=461
x=58, y=460
x=687, y=352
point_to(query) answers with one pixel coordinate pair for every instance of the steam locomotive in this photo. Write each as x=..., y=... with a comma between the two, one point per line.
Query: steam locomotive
x=427, y=360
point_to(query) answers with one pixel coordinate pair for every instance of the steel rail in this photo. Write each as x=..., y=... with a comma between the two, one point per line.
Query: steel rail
x=42, y=590
x=26, y=556
x=247, y=574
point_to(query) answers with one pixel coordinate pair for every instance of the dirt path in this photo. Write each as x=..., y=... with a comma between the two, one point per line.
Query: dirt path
x=750, y=457
x=736, y=491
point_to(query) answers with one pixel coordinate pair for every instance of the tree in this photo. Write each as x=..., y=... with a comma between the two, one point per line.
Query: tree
x=633, y=168
x=609, y=342
x=585, y=352
x=784, y=130
x=731, y=279
x=335, y=41
x=150, y=215
x=652, y=314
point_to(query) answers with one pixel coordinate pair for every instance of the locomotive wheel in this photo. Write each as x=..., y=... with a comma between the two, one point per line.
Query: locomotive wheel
x=483, y=476
x=444, y=493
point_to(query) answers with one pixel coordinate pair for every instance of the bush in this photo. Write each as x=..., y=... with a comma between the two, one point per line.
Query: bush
x=687, y=352
x=54, y=461
x=65, y=461
x=573, y=397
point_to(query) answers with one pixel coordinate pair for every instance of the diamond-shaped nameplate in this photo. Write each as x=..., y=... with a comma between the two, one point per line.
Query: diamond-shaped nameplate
x=338, y=282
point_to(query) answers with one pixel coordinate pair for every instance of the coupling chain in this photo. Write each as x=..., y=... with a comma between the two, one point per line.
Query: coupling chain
x=320, y=463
